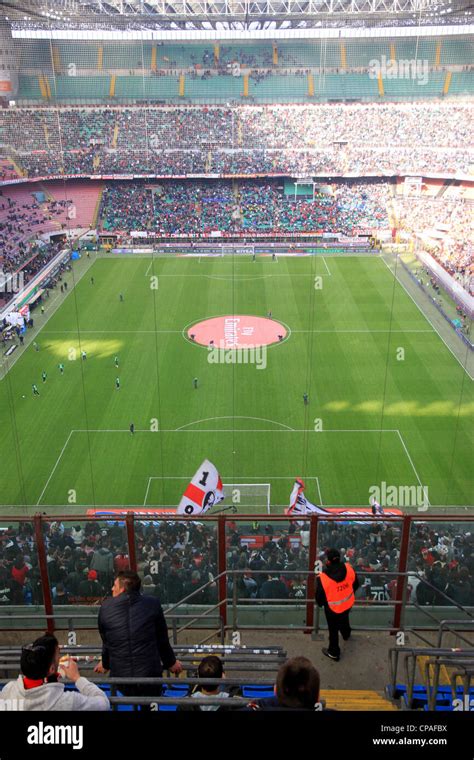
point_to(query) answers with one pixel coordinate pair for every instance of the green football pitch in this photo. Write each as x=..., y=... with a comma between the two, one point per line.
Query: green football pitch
x=388, y=401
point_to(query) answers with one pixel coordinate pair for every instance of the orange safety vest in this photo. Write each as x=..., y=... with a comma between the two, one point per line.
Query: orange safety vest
x=339, y=595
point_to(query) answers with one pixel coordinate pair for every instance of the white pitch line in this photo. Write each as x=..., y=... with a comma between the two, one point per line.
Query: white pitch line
x=41, y=330
x=112, y=332
x=319, y=492
x=237, y=430
x=413, y=466
x=427, y=319
x=54, y=468
x=147, y=490
x=327, y=268
x=241, y=278
x=149, y=267
x=208, y=419
x=239, y=478
x=180, y=332
x=367, y=331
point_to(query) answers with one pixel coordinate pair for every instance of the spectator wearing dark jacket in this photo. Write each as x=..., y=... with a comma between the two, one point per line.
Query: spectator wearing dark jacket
x=91, y=589
x=134, y=636
x=103, y=563
x=273, y=588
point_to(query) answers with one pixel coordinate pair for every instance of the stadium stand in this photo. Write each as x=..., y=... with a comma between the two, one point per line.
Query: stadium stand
x=176, y=560
x=27, y=223
x=430, y=218
x=209, y=140
x=261, y=662
x=277, y=72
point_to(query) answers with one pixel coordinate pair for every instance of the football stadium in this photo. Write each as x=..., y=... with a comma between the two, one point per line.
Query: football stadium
x=236, y=302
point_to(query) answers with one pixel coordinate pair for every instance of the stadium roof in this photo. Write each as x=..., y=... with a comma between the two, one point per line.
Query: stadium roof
x=231, y=14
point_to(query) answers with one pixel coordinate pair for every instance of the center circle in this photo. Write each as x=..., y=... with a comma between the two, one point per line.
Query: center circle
x=237, y=331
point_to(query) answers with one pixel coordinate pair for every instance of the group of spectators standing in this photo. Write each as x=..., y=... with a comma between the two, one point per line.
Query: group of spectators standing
x=177, y=559
x=132, y=626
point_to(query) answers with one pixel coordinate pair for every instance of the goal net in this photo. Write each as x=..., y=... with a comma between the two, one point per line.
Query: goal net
x=246, y=497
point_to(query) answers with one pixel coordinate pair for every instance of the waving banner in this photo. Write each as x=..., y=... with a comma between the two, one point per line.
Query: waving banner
x=204, y=490
x=299, y=504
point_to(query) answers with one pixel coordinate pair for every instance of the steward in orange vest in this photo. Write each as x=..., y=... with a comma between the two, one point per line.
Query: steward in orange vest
x=335, y=591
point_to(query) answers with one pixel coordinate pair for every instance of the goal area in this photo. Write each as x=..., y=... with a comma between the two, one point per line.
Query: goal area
x=243, y=497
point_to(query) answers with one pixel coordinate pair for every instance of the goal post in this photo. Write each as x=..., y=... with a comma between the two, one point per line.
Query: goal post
x=244, y=496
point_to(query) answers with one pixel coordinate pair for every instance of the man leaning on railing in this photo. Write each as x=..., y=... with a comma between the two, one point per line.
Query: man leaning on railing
x=134, y=636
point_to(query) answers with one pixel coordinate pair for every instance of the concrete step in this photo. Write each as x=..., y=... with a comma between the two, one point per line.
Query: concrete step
x=356, y=699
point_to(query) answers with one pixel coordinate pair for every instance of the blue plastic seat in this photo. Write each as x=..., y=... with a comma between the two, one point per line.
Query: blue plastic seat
x=123, y=708
x=178, y=689
x=172, y=692
x=253, y=691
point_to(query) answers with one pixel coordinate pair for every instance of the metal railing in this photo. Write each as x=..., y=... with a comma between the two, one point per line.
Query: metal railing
x=115, y=683
x=461, y=659
x=216, y=613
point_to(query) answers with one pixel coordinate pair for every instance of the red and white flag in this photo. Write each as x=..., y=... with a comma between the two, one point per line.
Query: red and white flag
x=204, y=490
x=299, y=504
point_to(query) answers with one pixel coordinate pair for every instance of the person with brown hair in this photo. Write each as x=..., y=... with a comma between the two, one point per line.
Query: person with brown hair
x=297, y=688
x=134, y=636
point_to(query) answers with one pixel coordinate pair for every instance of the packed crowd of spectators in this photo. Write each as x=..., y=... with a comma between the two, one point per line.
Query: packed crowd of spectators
x=176, y=559
x=317, y=138
x=350, y=207
x=175, y=208
x=200, y=207
x=446, y=230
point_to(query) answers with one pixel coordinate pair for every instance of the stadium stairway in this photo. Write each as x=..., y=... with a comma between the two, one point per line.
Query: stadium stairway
x=115, y=136
x=95, y=216
x=357, y=699
x=432, y=672
x=443, y=672
x=10, y=169
x=240, y=138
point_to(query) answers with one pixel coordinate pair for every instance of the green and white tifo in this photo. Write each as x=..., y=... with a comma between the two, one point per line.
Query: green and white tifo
x=387, y=401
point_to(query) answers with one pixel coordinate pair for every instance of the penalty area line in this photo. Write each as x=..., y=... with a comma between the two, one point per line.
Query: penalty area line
x=413, y=466
x=327, y=268
x=319, y=491
x=147, y=491
x=54, y=468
